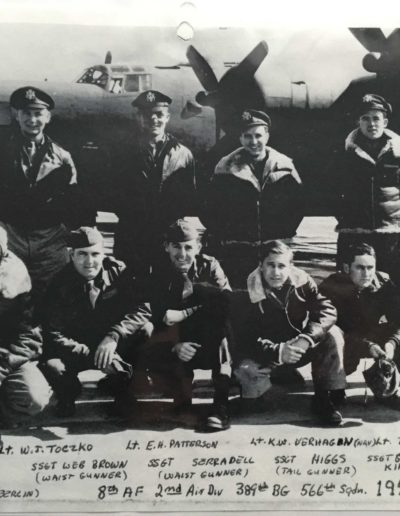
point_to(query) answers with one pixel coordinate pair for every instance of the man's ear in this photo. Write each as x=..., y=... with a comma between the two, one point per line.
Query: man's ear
x=165, y=247
x=48, y=116
x=346, y=268
x=385, y=122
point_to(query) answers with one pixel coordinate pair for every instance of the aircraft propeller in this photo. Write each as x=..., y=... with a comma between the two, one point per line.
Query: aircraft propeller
x=202, y=69
x=237, y=88
x=374, y=40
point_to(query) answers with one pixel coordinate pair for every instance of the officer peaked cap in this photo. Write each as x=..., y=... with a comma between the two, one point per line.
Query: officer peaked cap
x=253, y=117
x=151, y=98
x=85, y=236
x=29, y=96
x=372, y=101
x=185, y=229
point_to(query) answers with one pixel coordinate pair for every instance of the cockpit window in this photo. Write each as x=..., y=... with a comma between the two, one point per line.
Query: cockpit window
x=137, y=82
x=146, y=82
x=132, y=83
x=94, y=76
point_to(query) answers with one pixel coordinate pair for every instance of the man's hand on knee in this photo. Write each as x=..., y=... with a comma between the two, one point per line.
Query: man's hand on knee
x=290, y=353
x=186, y=350
x=376, y=351
x=105, y=353
x=389, y=350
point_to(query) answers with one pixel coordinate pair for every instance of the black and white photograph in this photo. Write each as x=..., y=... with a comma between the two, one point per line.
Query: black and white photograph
x=199, y=257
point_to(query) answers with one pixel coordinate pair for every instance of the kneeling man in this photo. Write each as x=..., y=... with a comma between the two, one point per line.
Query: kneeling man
x=90, y=318
x=23, y=389
x=189, y=297
x=368, y=306
x=291, y=323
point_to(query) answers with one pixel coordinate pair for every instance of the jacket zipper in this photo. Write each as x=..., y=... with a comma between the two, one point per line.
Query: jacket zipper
x=286, y=309
x=259, y=223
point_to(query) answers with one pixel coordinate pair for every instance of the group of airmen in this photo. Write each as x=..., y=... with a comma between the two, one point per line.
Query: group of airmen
x=163, y=306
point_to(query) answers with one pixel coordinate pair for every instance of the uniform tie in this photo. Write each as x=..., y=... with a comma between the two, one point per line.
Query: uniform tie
x=27, y=157
x=30, y=151
x=92, y=292
x=187, y=288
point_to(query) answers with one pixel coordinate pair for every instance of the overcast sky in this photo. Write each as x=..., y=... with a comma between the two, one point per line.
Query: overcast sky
x=326, y=59
x=306, y=41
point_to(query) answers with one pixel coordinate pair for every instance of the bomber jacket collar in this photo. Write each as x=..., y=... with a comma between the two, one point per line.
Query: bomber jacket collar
x=237, y=164
x=392, y=144
x=256, y=284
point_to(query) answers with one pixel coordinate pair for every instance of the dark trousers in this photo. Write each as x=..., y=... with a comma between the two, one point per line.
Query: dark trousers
x=156, y=355
x=356, y=346
x=62, y=373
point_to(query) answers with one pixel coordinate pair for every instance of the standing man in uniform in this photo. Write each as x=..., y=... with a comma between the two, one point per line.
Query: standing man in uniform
x=369, y=187
x=156, y=184
x=37, y=190
x=255, y=196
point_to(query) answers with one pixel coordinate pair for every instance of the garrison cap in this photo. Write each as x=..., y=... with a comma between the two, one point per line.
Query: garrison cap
x=372, y=101
x=85, y=236
x=185, y=229
x=151, y=98
x=253, y=117
x=28, y=96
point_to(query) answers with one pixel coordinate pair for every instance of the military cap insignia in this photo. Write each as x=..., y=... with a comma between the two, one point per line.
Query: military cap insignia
x=246, y=115
x=367, y=98
x=30, y=94
x=150, y=97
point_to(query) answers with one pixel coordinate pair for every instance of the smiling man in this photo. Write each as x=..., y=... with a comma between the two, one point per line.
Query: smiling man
x=368, y=186
x=255, y=196
x=364, y=298
x=155, y=184
x=90, y=319
x=189, y=298
x=38, y=190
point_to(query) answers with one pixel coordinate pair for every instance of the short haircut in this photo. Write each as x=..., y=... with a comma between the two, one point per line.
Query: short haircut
x=357, y=250
x=276, y=247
